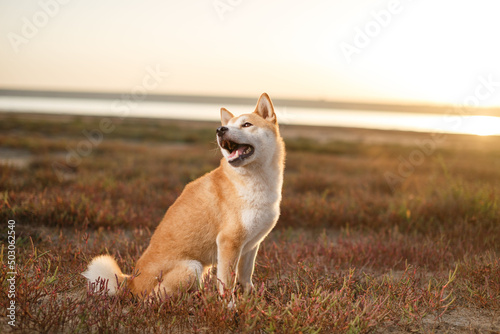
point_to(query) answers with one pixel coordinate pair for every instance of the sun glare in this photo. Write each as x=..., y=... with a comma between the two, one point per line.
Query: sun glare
x=481, y=125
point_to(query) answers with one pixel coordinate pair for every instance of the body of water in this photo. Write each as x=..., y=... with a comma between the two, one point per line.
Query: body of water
x=453, y=122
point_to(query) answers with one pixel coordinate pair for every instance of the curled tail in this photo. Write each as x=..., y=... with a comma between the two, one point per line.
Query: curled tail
x=104, y=274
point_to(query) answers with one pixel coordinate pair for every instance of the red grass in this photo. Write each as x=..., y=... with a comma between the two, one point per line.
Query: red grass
x=348, y=254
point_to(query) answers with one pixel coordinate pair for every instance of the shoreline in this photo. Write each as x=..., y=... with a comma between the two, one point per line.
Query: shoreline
x=321, y=134
x=244, y=100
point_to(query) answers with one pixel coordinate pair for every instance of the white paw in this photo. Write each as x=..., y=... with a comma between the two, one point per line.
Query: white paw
x=231, y=305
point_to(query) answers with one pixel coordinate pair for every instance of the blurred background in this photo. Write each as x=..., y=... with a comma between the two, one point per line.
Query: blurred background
x=400, y=65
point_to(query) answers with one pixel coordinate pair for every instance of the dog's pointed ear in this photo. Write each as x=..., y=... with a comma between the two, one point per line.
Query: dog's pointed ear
x=265, y=108
x=225, y=116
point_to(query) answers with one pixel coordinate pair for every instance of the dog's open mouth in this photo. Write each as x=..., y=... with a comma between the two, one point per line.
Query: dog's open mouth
x=237, y=152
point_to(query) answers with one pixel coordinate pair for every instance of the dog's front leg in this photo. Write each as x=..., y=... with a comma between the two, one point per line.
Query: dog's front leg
x=228, y=254
x=245, y=268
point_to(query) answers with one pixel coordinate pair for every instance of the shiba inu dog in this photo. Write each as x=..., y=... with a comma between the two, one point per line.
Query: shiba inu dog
x=219, y=219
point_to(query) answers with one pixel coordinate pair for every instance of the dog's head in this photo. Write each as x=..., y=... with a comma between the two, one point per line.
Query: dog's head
x=249, y=137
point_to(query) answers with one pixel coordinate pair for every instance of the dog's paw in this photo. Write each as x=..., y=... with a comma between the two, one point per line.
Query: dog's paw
x=231, y=305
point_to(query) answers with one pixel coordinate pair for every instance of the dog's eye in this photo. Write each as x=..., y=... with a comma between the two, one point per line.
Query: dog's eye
x=246, y=125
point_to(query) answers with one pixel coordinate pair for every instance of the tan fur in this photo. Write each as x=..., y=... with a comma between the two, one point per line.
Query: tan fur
x=220, y=218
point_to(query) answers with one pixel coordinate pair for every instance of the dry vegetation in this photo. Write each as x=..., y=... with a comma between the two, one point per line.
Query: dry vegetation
x=350, y=254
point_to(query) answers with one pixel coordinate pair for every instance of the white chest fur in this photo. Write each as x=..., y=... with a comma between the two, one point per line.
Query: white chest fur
x=261, y=208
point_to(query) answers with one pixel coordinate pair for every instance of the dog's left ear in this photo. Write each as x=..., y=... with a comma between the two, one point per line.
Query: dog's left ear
x=265, y=108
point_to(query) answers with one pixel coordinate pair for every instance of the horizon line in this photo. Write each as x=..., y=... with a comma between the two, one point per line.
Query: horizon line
x=243, y=100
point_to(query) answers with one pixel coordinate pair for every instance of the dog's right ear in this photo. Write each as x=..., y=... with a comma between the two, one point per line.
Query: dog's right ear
x=225, y=116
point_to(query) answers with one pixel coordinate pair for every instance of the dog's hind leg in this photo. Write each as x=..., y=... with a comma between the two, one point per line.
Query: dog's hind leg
x=185, y=274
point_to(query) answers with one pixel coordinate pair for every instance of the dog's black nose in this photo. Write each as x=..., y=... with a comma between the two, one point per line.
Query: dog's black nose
x=221, y=130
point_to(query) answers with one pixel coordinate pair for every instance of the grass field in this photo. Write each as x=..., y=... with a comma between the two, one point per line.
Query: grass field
x=379, y=232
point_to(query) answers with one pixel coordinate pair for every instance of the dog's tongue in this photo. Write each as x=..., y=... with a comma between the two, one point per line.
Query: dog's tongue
x=236, y=153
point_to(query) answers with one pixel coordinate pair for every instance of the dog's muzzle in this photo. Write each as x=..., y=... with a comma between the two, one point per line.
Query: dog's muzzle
x=221, y=131
x=237, y=152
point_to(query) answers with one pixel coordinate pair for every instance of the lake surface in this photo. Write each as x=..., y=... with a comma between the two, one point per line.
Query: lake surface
x=452, y=122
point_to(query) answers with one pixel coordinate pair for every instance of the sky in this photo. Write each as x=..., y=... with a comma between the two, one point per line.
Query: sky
x=407, y=51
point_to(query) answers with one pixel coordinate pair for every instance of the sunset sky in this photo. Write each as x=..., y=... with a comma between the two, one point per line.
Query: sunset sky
x=372, y=51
